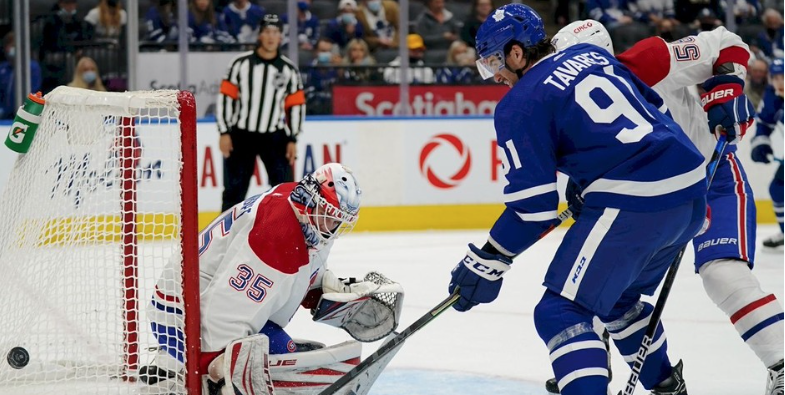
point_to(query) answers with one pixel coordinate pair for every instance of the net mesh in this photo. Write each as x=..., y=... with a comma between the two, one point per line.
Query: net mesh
x=92, y=220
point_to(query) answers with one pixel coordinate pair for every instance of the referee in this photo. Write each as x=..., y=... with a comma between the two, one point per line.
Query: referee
x=260, y=111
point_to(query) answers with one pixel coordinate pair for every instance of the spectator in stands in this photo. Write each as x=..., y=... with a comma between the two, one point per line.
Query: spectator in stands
x=651, y=12
x=665, y=29
x=307, y=27
x=380, y=20
x=757, y=80
x=707, y=20
x=460, y=65
x=345, y=27
x=242, y=19
x=320, y=77
x=768, y=44
x=358, y=54
x=611, y=13
x=436, y=25
x=86, y=75
x=687, y=11
x=161, y=22
x=204, y=26
x=480, y=11
x=106, y=20
x=8, y=104
x=418, y=73
x=62, y=30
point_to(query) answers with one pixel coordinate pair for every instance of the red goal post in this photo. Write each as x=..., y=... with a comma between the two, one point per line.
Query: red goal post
x=100, y=207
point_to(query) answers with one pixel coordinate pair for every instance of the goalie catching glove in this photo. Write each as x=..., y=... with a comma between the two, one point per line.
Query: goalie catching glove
x=368, y=310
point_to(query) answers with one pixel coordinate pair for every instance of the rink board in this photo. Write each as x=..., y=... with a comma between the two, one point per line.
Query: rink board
x=415, y=173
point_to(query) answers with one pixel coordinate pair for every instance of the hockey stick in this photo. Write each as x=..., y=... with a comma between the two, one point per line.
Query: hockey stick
x=398, y=340
x=654, y=320
x=392, y=344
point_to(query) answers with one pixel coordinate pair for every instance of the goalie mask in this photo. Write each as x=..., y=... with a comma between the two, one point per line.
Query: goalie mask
x=327, y=203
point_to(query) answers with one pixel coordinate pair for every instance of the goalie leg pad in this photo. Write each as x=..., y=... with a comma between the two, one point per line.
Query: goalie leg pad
x=578, y=355
x=310, y=372
x=756, y=315
x=246, y=367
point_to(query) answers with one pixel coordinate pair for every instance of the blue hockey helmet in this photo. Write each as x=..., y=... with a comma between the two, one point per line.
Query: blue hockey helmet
x=511, y=22
x=777, y=67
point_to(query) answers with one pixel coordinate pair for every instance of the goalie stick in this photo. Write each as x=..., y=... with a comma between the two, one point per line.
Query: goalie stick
x=398, y=340
x=654, y=320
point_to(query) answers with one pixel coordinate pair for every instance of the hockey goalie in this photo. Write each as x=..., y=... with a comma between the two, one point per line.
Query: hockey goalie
x=258, y=262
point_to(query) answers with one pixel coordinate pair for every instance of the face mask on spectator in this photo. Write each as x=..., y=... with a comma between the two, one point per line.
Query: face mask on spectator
x=324, y=57
x=667, y=36
x=348, y=19
x=10, y=54
x=66, y=14
x=89, y=76
x=112, y=3
x=302, y=5
x=375, y=5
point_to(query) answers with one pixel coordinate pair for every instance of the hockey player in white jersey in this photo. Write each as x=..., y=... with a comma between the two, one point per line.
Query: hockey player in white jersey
x=258, y=262
x=724, y=254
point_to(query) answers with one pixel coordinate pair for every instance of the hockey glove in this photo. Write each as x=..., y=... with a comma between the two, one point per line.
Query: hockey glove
x=574, y=199
x=761, y=149
x=479, y=275
x=727, y=107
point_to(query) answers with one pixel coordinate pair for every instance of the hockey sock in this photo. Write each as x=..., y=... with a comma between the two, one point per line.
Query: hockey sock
x=577, y=353
x=757, y=315
x=627, y=330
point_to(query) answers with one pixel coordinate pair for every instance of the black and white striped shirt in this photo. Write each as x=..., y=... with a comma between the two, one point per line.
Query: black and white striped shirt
x=259, y=95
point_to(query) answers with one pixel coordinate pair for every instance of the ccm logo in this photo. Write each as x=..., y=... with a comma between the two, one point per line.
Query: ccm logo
x=582, y=27
x=578, y=270
x=480, y=268
x=712, y=96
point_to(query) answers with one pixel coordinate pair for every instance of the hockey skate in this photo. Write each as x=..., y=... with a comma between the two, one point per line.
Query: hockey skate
x=163, y=376
x=774, y=384
x=673, y=385
x=774, y=242
x=553, y=387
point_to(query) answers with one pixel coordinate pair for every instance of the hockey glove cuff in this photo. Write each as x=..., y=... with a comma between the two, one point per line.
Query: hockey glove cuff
x=574, y=199
x=761, y=149
x=479, y=276
x=727, y=107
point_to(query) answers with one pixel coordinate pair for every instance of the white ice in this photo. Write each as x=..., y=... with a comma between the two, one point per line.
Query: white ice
x=495, y=349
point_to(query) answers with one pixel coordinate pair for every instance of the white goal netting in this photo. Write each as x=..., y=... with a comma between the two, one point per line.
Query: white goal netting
x=92, y=215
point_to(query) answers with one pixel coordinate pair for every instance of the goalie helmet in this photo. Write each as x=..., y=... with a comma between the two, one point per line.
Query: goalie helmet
x=587, y=31
x=327, y=203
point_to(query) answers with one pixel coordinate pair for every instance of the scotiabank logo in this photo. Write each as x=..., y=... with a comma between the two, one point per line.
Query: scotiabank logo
x=443, y=147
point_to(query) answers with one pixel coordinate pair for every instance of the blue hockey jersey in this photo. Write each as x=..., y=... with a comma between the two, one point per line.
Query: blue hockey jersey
x=769, y=112
x=582, y=113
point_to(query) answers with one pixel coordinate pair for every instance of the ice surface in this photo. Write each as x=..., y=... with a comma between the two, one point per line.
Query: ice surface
x=495, y=349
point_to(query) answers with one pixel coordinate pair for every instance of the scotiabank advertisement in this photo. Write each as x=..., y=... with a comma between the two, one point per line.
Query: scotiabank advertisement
x=423, y=100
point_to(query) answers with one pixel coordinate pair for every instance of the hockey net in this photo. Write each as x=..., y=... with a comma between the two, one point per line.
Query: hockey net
x=104, y=200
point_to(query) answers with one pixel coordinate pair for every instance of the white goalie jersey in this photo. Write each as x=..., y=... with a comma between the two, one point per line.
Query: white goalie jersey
x=254, y=267
x=674, y=69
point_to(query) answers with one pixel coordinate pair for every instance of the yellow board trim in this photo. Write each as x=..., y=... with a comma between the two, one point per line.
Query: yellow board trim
x=165, y=226
x=444, y=217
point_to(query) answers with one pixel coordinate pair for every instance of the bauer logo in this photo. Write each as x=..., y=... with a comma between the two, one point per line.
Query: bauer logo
x=445, y=161
x=719, y=241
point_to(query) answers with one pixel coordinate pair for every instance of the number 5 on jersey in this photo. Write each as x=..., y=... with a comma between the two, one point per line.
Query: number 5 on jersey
x=257, y=289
